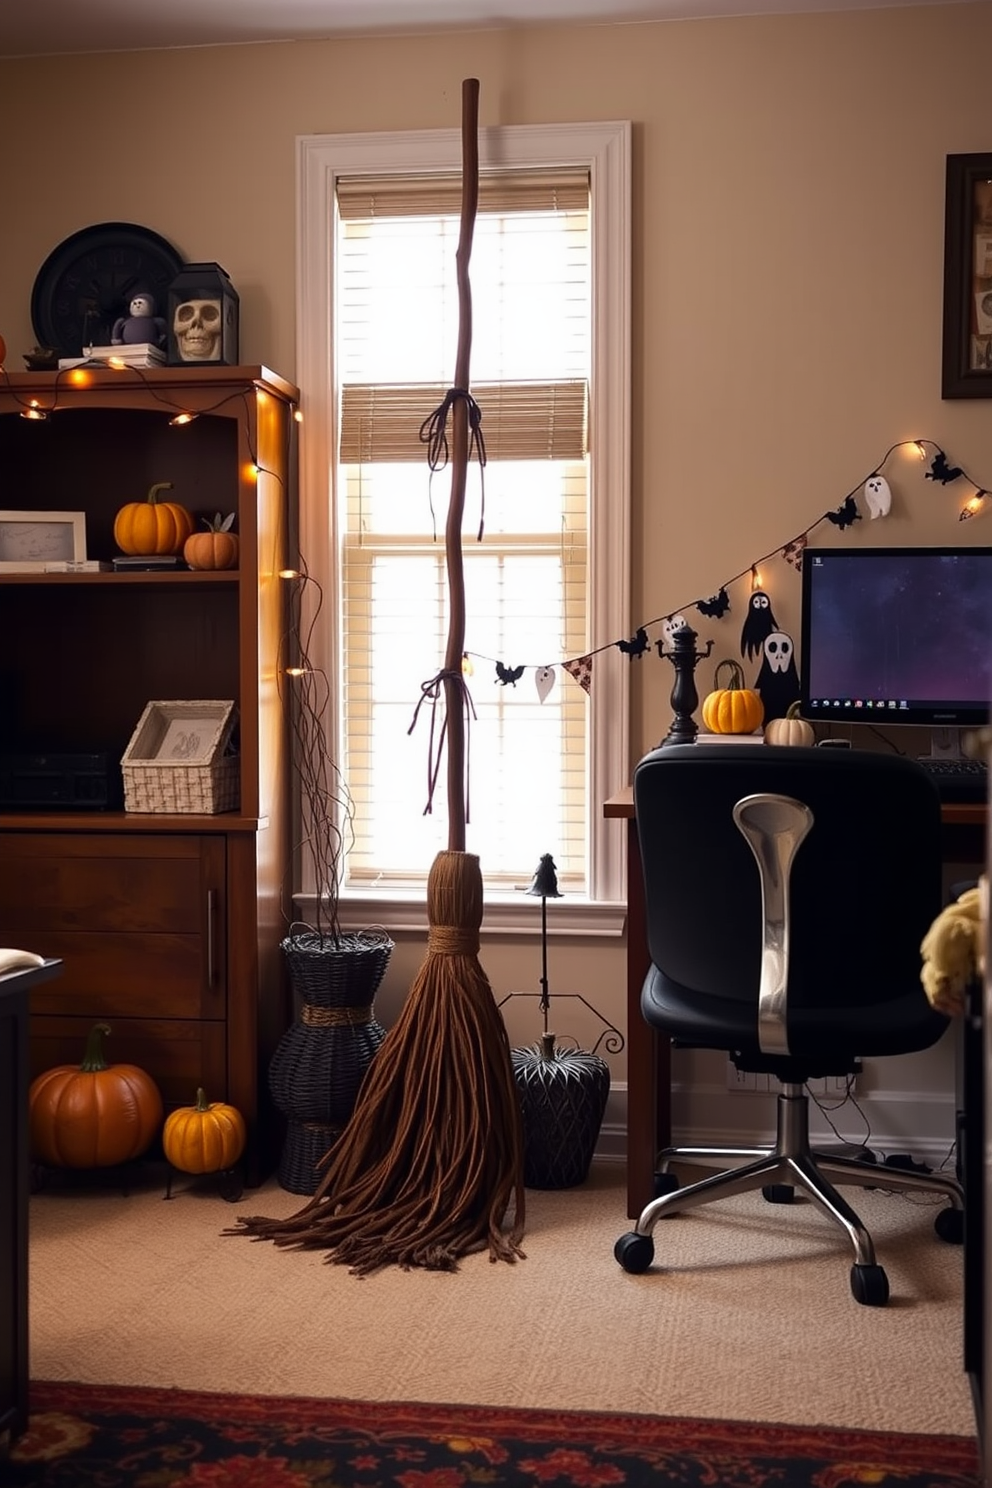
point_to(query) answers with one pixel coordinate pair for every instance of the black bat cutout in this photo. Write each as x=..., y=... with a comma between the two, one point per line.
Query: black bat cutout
x=507, y=674
x=845, y=514
x=637, y=645
x=718, y=605
x=941, y=471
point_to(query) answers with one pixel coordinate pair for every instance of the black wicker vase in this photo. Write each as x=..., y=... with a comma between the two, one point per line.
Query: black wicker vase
x=321, y=1059
x=563, y=1094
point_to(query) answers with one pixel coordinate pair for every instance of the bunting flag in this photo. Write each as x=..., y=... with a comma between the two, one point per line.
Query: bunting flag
x=581, y=670
x=876, y=497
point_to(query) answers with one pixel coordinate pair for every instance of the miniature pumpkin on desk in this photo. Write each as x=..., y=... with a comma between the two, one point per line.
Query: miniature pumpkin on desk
x=150, y=527
x=215, y=548
x=94, y=1114
x=790, y=730
x=734, y=709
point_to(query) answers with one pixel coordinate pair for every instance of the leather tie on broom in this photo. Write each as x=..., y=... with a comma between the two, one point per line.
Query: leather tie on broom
x=427, y=1167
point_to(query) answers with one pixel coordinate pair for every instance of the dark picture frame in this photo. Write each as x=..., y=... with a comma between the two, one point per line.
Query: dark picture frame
x=967, y=349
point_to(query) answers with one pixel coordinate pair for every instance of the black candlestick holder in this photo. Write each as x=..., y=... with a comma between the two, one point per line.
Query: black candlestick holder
x=685, y=698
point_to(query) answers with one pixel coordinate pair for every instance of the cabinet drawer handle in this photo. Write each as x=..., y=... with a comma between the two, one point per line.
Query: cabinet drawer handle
x=210, y=937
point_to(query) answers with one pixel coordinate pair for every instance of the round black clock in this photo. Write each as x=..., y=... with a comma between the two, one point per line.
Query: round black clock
x=88, y=281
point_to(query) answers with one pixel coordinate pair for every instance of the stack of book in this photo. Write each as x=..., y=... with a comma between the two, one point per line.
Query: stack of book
x=148, y=563
x=141, y=354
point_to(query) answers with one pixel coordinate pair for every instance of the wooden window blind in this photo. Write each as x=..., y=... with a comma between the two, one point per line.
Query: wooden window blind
x=396, y=321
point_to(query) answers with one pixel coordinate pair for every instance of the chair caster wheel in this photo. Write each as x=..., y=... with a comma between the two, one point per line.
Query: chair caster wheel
x=665, y=1183
x=634, y=1252
x=949, y=1225
x=869, y=1285
x=779, y=1193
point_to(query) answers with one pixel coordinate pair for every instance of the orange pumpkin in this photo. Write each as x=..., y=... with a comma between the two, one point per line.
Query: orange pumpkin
x=215, y=548
x=152, y=526
x=734, y=709
x=93, y=1115
x=205, y=1138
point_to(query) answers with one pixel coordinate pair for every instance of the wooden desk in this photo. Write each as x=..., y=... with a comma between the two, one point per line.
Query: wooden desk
x=649, y=1058
x=14, y=988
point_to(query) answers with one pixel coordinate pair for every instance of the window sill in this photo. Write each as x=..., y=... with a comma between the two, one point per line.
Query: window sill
x=504, y=914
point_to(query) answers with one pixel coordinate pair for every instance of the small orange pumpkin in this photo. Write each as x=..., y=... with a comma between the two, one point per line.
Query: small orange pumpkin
x=205, y=1138
x=215, y=548
x=152, y=526
x=95, y=1114
x=734, y=709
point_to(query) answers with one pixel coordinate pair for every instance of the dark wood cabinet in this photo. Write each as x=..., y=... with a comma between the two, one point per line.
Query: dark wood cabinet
x=168, y=926
x=14, y=993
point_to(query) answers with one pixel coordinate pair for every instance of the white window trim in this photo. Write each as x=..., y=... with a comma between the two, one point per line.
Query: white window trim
x=605, y=148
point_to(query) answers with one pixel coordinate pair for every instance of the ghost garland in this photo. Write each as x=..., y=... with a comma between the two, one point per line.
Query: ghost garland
x=778, y=679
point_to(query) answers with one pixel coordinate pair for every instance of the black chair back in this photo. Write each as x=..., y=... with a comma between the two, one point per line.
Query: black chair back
x=865, y=887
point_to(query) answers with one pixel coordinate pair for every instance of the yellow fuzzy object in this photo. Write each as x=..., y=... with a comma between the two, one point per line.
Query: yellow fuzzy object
x=953, y=950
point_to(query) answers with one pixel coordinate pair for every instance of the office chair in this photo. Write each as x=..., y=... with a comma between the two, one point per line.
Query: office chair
x=786, y=894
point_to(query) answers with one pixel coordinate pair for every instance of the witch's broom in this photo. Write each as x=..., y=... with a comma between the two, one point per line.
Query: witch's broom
x=432, y=1156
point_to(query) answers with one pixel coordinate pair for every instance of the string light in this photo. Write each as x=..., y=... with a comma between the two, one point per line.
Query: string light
x=972, y=506
x=297, y=671
x=183, y=418
x=468, y=670
x=755, y=578
x=34, y=410
x=289, y=573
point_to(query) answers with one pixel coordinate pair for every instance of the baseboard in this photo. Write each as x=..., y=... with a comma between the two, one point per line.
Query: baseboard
x=921, y=1124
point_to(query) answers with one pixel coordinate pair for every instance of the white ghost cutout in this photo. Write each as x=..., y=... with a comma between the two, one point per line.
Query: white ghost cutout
x=544, y=680
x=778, y=650
x=878, y=496
x=671, y=627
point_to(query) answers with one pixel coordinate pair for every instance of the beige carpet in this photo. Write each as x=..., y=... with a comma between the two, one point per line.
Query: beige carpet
x=746, y=1315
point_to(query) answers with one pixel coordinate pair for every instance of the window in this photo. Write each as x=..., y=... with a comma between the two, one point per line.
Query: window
x=548, y=582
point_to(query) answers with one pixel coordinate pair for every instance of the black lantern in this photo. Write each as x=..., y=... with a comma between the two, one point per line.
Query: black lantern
x=202, y=317
x=562, y=1091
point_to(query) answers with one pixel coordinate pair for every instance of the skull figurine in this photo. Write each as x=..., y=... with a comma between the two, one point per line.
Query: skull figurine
x=197, y=328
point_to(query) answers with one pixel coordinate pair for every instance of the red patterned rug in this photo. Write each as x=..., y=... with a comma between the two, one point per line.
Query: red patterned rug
x=95, y=1436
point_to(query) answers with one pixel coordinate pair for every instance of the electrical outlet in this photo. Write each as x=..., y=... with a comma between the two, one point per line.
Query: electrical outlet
x=740, y=1079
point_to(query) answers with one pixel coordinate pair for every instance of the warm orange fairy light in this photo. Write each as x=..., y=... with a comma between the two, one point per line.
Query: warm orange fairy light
x=183, y=418
x=117, y=363
x=921, y=449
x=755, y=578
x=298, y=415
x=80, y=377
x=296, y=671
x=468, y=670
x=289, y=573
x=251, y=471
x=34, y=411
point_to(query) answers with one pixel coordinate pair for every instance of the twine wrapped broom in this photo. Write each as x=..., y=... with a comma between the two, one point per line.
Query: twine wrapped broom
x=432, y=1157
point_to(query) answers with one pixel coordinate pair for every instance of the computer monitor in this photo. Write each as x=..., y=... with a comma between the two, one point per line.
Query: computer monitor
x=898, y=635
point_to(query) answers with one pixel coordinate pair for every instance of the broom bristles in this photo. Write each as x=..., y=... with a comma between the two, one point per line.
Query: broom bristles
x=427, y=1167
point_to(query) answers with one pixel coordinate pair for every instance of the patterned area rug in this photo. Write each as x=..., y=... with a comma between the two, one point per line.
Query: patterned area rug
x=105, y=1437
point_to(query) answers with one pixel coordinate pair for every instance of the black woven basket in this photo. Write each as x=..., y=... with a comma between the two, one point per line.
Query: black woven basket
x=320, y=1061
x=563, y=1095
x=304, y=1146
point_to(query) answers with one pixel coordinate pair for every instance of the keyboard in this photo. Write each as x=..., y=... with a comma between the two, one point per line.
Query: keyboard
x=958, y=779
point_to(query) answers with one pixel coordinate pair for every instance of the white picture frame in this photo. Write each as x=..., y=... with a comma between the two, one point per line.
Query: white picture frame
x=31, y=541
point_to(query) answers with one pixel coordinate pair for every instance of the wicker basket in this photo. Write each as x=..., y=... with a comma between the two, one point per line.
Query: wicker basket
x=180, y=759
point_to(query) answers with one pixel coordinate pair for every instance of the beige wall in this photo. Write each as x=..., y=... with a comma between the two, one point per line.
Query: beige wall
x=788, y=244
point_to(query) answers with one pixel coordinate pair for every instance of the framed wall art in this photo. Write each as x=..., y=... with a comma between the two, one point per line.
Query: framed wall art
x=31, y=541
x=967, y=352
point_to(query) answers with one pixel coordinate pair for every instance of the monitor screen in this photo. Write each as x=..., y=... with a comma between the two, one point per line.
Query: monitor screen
x=897, y=635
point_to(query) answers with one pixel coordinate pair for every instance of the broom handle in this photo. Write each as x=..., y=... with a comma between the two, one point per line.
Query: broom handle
x=453, y=696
